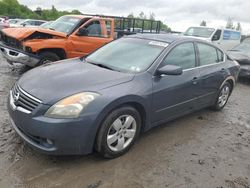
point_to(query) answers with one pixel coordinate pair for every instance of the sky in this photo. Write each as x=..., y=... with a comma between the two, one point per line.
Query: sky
x=178, y=14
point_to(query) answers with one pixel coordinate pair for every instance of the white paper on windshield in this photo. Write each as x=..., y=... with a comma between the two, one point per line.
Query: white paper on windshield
x=133, y=68
x=157, y=43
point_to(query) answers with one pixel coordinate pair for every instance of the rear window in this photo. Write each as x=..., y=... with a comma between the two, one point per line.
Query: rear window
x=207, y=54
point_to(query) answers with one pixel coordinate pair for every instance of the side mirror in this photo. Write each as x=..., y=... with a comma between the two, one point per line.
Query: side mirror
x=82, y=32
x=169, y=70
x=24, y=24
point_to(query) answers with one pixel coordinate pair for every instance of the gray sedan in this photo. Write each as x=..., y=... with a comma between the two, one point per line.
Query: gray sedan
x=102, y=102
x=241, y=54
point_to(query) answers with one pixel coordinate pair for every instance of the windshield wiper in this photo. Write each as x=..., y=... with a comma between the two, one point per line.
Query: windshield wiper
x=52, y=29
x=101, y=65
x=234, y=50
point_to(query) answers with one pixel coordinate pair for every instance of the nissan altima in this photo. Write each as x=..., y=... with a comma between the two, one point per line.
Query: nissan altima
x=102, y=102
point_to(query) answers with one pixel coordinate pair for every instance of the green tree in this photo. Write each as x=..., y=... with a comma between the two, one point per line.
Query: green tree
x=239, y=28
x=152, y=16
x=230, y=24
x=147, y=24
x=203, y=23
x=131, y=15
x=13, y=9
x=142, y=15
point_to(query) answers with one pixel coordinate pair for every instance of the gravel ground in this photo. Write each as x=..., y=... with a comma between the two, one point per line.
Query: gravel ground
x=204, y=149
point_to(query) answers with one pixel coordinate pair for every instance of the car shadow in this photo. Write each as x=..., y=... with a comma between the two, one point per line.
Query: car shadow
x=245, y=81
x=19, y=69
x=155, y=132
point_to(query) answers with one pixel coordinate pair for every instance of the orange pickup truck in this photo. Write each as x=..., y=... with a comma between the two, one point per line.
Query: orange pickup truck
x=68, y=37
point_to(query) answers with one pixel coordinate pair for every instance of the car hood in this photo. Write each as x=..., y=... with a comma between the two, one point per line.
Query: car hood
x=58, y=80
x=22, y=32
x=241, y=57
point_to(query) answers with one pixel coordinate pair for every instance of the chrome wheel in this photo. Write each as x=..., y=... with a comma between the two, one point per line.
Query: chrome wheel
x=121, y=133
x=223, y=97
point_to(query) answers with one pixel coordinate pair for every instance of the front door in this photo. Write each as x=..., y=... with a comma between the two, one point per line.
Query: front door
x=176, y=94
x=97, y=35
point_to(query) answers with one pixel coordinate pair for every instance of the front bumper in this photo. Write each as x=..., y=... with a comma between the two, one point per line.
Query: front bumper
x=17, y=56
x=55, y=136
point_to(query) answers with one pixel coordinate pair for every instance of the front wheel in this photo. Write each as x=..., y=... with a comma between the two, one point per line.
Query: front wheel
x=222, y=97
x=118, y=132
x=48, y=57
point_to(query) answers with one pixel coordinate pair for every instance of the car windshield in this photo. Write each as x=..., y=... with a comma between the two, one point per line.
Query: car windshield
x=247, y=40
x=46, y=25
x=243, y=47
x=65, y=24
x=14, y=21
x=199, y=32
x=131, y=55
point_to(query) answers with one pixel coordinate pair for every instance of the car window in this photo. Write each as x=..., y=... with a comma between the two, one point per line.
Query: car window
x=231, y=35
x=29, y=22
x=33, y=22
x=26, y=23
x=183, y=55
x=38, y=23
x=94, y=29
x=217, y=35
x=220, y=55
x=207, y=54
x=108, y=27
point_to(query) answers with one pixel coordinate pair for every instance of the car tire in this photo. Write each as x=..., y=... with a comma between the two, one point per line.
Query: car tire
x=222, y=97
x=118, y=132
x=47, y=57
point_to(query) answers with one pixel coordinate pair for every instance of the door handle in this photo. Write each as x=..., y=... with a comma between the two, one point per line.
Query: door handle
x=195, y=80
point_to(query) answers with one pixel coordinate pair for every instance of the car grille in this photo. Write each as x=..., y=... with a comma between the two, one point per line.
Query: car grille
x=23, y=99
x=10, y=41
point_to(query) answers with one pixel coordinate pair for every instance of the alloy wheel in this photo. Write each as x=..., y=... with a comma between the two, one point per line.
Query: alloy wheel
x=121, y=133
x=223, y=97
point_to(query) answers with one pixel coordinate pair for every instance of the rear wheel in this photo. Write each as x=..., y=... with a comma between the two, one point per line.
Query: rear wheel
x=48, y=57
x=223, y=97
x=118, y=132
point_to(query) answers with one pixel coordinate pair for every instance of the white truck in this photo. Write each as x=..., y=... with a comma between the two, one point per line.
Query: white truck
x=222, y=37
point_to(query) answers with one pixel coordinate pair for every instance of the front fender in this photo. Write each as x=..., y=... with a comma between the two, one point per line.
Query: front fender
x=38, y=44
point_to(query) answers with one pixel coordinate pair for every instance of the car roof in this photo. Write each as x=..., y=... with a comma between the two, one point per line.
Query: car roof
x=168, y=38
x=78, y=16
x=25, y=20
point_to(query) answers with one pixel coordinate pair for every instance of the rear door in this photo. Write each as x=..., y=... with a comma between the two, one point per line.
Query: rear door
x=212, y=72
x=99, y=33
x=174, y=95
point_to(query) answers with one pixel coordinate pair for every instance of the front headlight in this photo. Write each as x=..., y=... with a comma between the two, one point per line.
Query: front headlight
x=72, y=106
